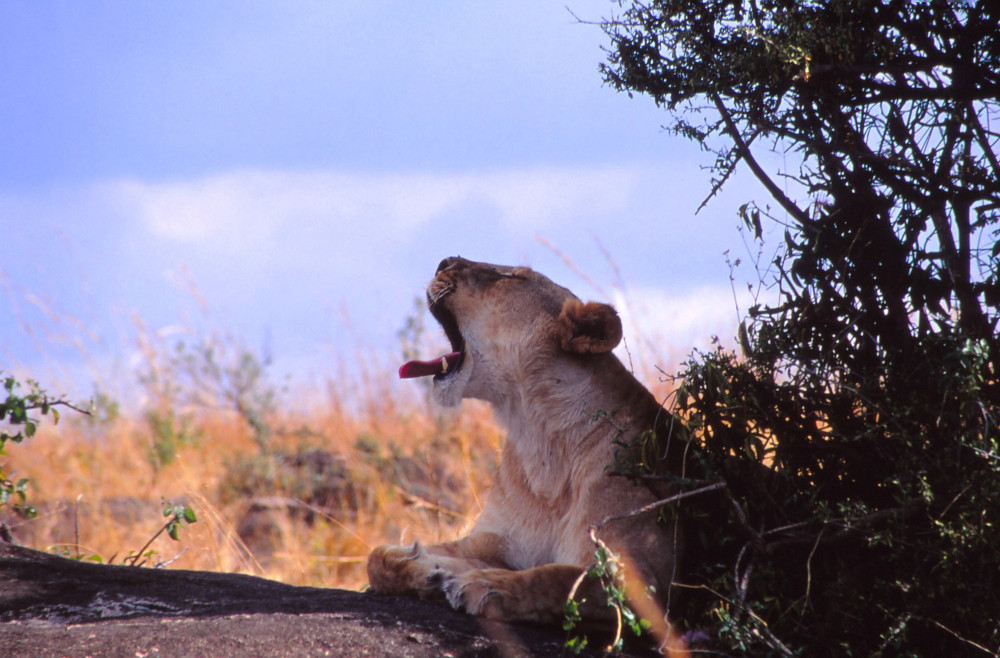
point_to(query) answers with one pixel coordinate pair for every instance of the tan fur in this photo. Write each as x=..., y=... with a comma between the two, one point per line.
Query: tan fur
x=543, y=360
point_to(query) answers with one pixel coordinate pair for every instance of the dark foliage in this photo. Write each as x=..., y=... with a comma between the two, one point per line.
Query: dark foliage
x=858, y=435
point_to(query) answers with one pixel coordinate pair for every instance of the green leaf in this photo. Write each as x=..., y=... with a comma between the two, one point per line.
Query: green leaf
x=576, y=644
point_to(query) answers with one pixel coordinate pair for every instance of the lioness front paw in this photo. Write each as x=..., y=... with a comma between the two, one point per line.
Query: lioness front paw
x=404, y=570
x=535, y=595
x=474, y=592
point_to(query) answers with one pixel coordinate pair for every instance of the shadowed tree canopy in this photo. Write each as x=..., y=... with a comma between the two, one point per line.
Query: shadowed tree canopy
x=868, y=384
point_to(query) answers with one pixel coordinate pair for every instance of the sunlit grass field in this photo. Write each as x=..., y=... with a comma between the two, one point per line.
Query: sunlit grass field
x=300, y=496
x=289, y=481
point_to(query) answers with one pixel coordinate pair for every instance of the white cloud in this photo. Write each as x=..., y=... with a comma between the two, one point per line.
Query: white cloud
x=536, y=198
x=290, y=254
x=246, y=207
x=678, y=319
x=662, y=327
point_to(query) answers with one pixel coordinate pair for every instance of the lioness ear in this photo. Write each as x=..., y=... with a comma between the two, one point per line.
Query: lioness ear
x=590, y=328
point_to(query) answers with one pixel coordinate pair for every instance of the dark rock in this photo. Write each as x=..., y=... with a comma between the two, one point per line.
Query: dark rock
x=53, y=606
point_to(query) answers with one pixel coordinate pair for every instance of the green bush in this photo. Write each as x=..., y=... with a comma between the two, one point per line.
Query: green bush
x=862, y=528
x=858, y=434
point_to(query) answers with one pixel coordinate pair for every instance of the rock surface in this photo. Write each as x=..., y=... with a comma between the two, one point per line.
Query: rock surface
x=53, y=606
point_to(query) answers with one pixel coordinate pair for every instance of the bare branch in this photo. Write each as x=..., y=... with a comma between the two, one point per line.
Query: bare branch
x=645, y=509
x=744, y=152
x=964, y=639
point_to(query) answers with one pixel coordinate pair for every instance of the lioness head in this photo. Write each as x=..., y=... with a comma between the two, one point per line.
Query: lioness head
x=503, y=323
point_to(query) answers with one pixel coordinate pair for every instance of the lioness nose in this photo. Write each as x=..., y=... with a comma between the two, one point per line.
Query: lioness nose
x=446, y=263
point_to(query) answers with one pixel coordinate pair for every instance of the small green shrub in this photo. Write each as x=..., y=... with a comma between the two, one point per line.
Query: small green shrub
x=16, y=414
x=177, y=516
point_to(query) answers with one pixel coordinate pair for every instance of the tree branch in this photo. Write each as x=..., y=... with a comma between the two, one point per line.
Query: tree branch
x=658, y=504
x=744, y=152
x=984, y=142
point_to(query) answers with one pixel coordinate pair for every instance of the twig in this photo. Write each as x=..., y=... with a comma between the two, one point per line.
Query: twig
x=742, y=581
x=422, y=503
x=167, y=563
x=135, y=558
x=744, y=152
x=334, y=559
x=59, y=402
x=764, y=632
x=657, y=504
x=571, y=265
x=76, y=526
x=966, y=640
x=741, y=517
x=805, y=601
x=612, y=557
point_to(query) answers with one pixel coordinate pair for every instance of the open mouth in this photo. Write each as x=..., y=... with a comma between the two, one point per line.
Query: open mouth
x=447, y=364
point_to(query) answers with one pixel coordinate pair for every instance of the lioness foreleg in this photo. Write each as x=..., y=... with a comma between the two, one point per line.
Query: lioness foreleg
x=538, y=594
x=422, y=570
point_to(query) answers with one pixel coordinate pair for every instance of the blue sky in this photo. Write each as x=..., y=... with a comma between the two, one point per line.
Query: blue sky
x=304, y=165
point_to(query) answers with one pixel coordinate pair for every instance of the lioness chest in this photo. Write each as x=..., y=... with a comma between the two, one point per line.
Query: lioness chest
x=547, y=521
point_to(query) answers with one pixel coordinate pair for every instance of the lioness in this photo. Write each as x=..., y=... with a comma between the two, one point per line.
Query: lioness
x=542, y=359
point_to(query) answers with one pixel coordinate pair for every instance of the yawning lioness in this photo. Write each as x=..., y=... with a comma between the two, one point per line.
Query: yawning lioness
x=542, y=359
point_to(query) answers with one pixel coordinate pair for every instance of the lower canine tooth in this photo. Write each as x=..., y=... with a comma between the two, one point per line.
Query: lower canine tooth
x=444, y=364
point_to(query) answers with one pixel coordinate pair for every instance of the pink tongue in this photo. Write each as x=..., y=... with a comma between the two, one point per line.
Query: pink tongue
x=438, y=366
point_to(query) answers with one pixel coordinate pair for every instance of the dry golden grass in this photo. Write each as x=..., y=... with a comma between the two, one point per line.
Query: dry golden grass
x=82, y=471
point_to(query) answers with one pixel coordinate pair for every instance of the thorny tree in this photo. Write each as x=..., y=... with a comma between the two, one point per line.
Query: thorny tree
x=868, y=393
